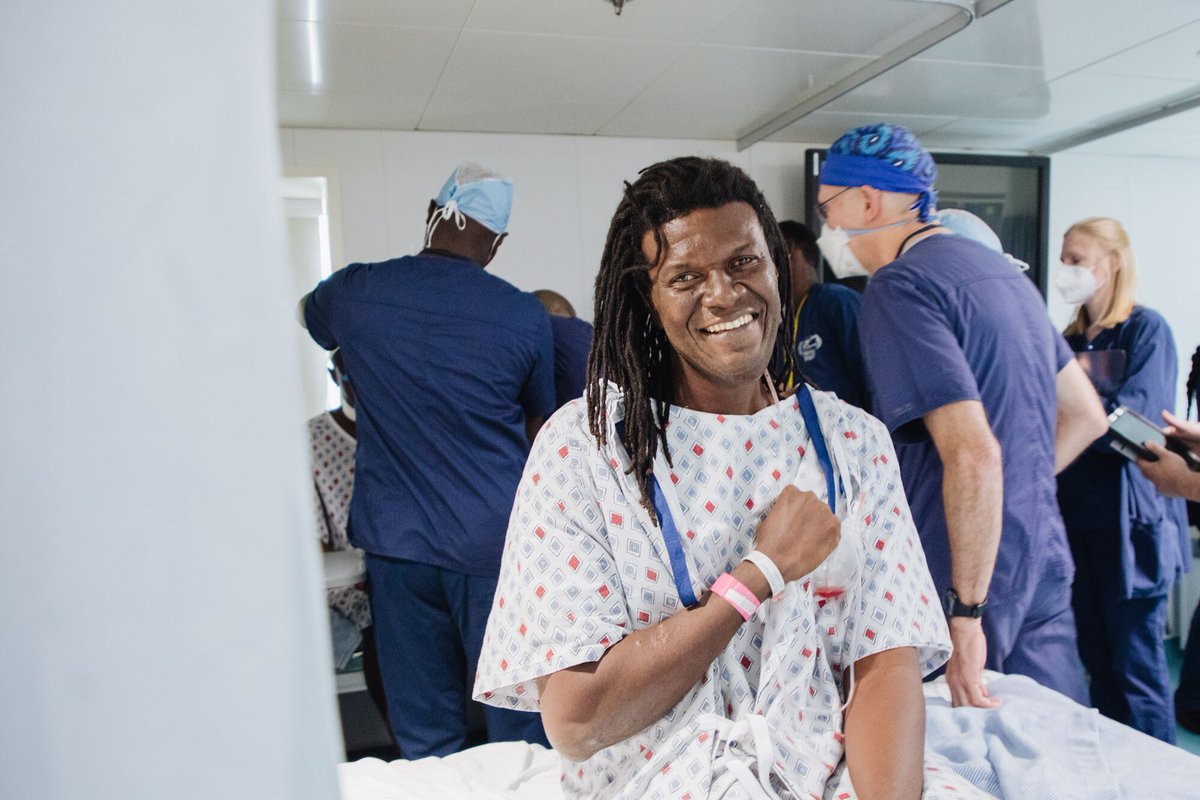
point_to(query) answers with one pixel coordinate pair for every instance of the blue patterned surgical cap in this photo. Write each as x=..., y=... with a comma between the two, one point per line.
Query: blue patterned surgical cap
x=887, y=157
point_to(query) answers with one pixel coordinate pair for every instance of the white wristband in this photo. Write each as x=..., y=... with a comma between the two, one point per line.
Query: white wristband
x=767, y=567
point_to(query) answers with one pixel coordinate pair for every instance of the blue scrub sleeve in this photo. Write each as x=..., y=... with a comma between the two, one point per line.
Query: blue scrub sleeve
x=847, y=311
x=319, y=308
x=1063, y=354
x=537, y=395
x=915, y=362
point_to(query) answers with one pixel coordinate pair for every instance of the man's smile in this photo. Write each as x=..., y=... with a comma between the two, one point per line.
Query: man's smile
x=734, y=324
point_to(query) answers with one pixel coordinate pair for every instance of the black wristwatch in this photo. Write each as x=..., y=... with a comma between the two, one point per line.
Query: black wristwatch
x=957, y=608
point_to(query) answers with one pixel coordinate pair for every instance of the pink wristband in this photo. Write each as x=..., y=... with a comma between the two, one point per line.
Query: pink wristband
x=734, y=592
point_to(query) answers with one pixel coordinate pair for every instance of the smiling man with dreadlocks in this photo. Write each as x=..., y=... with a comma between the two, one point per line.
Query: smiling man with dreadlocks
x=655, y=599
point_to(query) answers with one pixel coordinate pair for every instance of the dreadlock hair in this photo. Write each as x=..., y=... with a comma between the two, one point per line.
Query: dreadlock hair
x=1193, y=381
x=628, y=348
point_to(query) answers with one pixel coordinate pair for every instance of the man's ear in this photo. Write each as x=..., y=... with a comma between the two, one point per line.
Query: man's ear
x=872, y=204
x=432, y=208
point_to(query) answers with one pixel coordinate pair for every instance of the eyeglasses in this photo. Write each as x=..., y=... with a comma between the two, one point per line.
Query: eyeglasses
x=821, y=212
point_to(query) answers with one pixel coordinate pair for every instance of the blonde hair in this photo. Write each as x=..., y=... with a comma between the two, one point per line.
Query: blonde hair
x=1112, y=238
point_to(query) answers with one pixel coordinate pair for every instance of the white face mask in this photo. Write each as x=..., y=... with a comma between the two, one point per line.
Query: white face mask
x=834, y=244
x=1076, y=284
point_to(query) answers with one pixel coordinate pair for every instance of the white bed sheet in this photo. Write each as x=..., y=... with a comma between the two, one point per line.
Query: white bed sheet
x=1038, y=745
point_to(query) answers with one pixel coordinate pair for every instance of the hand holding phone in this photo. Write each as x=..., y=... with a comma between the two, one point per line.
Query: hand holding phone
x=1129, y=432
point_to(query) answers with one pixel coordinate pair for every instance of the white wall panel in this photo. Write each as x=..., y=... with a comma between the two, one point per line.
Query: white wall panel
x=1153, y=200
x=164, y=616
x=566, y=189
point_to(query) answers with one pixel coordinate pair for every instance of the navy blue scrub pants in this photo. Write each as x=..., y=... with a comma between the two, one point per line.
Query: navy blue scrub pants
x=1121, y=641
x=1034, y=635
x=429, y=625
x=1187, y=696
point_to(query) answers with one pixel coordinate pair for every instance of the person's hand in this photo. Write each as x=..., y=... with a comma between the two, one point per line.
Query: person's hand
x=798, y=533
x=964, y=670
x=1183, y=430
x=1170, y=474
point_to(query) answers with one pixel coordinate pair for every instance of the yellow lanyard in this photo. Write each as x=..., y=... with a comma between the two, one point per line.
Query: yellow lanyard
x=791, y=376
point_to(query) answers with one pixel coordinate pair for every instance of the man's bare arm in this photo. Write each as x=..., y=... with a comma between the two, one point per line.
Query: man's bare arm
x=885, y=726
x=639, y=679
x=973, y=496
x=1080, y=419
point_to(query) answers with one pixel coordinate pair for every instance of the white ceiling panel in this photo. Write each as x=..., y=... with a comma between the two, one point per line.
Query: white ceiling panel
x=999, y=135
x=1164, y=135
x=1173, y=55
x=1083, y=98
x=368, y=111
x=1059, y=36
x=707, y=91
x=932, y=88
x=825, y=126
x=1028, y=74
x=1189, y=150
x=821, y=26
x=654, y=20
x=361, y=59
x=439, y=14
x=523, y=115
x=1144, y=140
x=548, y=69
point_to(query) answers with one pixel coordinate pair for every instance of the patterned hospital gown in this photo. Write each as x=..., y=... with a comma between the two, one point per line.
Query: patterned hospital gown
x=584, y=565
x=333, y=484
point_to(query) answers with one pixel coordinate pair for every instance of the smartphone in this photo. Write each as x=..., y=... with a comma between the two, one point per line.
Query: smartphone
x=1129, y=431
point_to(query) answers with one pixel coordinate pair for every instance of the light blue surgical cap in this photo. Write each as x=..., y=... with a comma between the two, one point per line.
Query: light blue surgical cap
x=964, y=223
x=480, y=193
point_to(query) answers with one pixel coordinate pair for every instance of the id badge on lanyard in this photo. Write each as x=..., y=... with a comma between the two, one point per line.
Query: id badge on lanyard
x=666, y=518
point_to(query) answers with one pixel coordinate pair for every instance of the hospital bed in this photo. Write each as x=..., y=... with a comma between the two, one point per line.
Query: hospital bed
x=1038, y=744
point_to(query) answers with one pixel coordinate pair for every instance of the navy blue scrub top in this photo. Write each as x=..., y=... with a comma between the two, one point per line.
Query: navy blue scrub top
x=446, y=360
x=1103, y=490
x=572, y=341
x=951, y=320
x=828, y=351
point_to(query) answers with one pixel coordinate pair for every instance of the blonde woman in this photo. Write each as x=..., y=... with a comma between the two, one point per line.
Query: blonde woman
x=1128, y=541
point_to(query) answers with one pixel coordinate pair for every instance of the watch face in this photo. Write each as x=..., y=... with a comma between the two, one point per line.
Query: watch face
x=956, y=608
x=948, y=600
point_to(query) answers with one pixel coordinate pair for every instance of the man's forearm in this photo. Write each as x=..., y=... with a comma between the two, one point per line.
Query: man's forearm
x=885, y=727
x=596, y=705
x=1081, y=418
x=973, y=496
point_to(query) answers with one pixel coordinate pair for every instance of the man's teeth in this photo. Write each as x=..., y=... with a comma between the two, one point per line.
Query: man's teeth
x=720, y=327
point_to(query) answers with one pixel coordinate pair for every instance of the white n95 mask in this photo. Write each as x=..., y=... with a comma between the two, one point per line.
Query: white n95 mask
x=834, y=244
x=1076, y=284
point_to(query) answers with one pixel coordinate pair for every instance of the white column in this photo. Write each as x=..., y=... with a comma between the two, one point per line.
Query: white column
x=163, y=624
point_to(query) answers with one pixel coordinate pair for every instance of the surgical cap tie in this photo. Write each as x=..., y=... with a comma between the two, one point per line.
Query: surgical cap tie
x=450, y=210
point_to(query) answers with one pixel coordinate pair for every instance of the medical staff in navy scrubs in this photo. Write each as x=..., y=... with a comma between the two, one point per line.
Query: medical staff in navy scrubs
x=454, y=372
x=572, y=342
x=1171, y=476
x=969, y=376
x=1129, y=542
x=828, y=352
